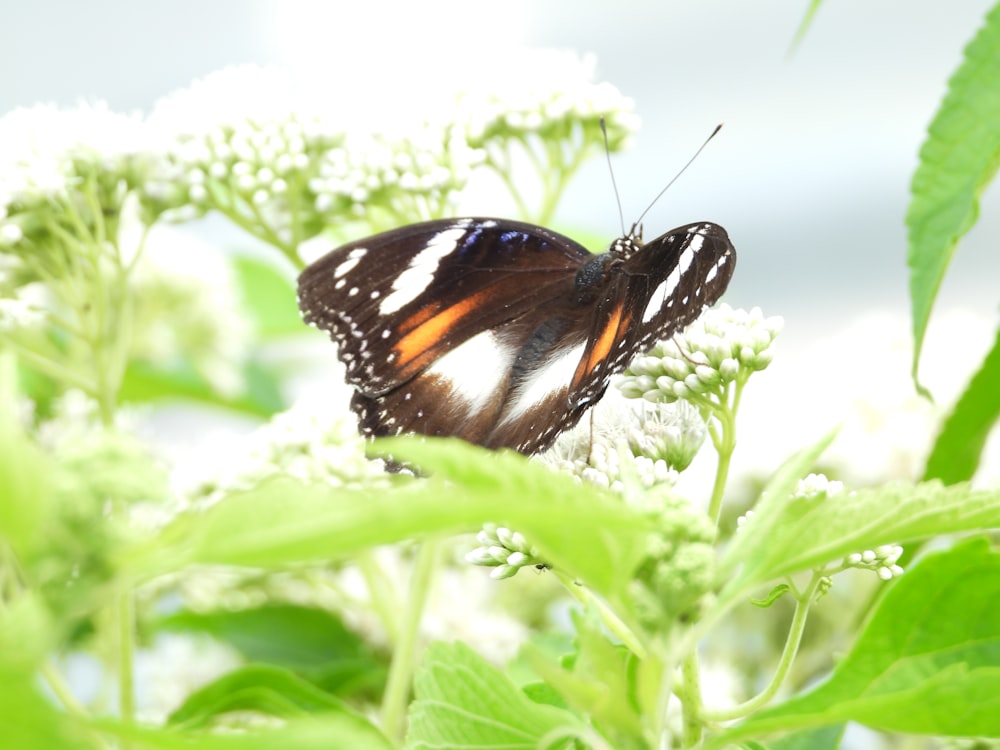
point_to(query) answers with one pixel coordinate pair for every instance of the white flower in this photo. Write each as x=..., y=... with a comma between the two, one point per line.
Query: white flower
x=818, y=486
x=244, y=133
x=601, y=453
x=882, y=560
x=25, y=308
x=46, y=151
x=317, y=439
x=722, y=346
x=536, y=91
x=504, y=550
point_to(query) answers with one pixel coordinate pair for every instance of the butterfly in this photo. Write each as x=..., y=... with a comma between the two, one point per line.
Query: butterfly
x=500, y=332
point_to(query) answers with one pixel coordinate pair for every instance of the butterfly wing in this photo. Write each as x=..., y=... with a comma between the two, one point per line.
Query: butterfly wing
x=636, y=295
x=429, y=317
x=499, y=332
x=657, y=289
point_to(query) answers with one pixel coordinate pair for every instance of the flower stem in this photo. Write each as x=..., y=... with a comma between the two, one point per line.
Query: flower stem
x=124, y=617
x=614, y=623
x=397, y=688
x=803, y=601
x=689, y=693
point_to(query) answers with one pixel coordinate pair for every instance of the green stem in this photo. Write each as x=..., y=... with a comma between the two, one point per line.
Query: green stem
x=725, y=443
x=397, y=688
x=803, y=601
x=124, y=617
x=689, y=694
x=383, y=599
x=724, y=440
x=50, y=367
x=614, y=623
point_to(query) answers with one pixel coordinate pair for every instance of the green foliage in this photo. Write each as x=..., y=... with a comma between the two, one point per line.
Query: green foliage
x=958, y=448
x=315, y=568
x=928, y=661
x=463, y=701
x=309, y=641
x=257, y=687
x=957, y=162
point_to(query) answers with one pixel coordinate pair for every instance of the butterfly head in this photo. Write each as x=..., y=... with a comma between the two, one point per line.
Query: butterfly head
x=627, y=246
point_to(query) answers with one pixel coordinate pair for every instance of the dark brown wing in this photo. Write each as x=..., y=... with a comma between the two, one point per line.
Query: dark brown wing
x=399, y=301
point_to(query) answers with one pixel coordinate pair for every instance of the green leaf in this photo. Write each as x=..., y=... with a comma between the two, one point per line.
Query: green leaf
x=928, y=661
x=597, y=681
x=774, y=499
x=800, y=33
x=462, y=701
x=772, y=596
x=284, y=520
x=311, y=641
x=261, y=397
x=25, y=498
x=957, y=162
x=270, y=296
x=320, y=732
x=810, y=533
x=257, y=687
x=957, y=450
x=28, y=719
x=823, y=738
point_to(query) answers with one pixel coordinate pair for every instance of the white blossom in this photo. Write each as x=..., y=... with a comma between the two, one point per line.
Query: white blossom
x=720, y=347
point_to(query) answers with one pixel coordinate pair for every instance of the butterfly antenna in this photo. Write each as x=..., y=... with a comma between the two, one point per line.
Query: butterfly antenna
x=676, y=176
x=607, y=153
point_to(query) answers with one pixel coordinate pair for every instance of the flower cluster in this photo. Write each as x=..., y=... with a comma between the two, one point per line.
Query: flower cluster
x=678, y=569
x=546, y=106
x=882, y=560
x=65, y=173
x=721, y=347
x=245, y=142
x=242, y=141
x=504, y=550
x=549, y=95
x=314, y=440
x=627, y=451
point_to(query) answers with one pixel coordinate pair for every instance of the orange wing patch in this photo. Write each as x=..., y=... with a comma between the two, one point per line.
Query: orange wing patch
x=602, y=346
x=426, y=327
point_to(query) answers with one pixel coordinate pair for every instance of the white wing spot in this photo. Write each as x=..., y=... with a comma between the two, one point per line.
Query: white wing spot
x=420, y=273
x=684, y=262
x=340, y=284
x=552, y=377
x=345, y=267
x=473, y=371
x=353, y=292
x=664, y=291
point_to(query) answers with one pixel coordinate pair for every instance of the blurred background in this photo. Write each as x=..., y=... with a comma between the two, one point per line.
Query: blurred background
x=810, y=175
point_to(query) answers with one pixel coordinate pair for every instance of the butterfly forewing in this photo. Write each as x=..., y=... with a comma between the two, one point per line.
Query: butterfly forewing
x=397, y=302
x=500, y=332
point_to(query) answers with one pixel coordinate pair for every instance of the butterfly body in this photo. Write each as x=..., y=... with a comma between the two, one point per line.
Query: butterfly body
x=500, y=332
